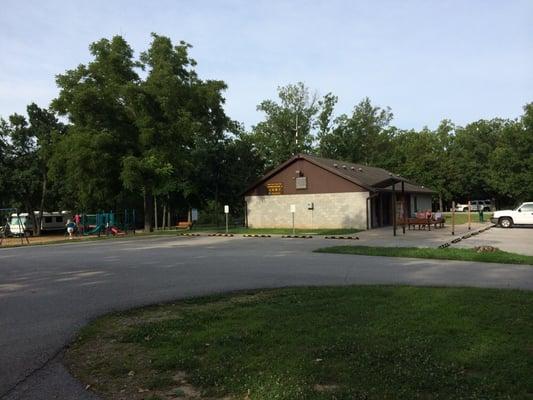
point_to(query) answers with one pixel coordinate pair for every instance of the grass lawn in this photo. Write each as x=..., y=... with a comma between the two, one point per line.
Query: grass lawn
x=426, y=252
x=315, y=343
x=462, y=217
x=276, y=231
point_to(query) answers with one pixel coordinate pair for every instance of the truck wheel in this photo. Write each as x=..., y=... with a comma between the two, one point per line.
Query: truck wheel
x=506, y=222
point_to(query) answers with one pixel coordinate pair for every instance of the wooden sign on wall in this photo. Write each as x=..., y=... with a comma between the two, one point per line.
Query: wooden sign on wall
x=275, y=188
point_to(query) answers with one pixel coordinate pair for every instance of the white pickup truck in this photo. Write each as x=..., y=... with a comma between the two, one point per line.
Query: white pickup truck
x=521, y=215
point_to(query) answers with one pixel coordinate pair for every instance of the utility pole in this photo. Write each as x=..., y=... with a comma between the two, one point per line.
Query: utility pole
x=296, y=129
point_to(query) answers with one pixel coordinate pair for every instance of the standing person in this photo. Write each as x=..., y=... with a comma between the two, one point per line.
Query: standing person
x=480, y=212
x=70, y=228
x=77, y=220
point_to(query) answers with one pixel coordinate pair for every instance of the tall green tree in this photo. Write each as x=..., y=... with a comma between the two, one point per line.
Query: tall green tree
x=5, y=170
x=510, y=172
x=147, y=136
x=97, y=100
x=470, y=151
x=31, y=143
x=289, y=124
x=361, y=137
x=182, y=124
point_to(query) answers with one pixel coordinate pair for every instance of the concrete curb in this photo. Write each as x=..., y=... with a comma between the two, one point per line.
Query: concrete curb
x=342, y=237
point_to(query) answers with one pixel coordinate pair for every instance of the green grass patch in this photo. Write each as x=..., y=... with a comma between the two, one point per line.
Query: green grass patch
x=449, y=253
x=317, y=344
x=462, y=217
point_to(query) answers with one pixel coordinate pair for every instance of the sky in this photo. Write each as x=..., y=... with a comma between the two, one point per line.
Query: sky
x=427, y=60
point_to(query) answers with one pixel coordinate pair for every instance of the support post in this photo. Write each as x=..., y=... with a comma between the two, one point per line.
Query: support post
x=293, y=210
x=403, y=208
x=226, y=212
x=393, y=209
x=469, y=215
x=453, y=218
x=380, y=210
x=293, y=230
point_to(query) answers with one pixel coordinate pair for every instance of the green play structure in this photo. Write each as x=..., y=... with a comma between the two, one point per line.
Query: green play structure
x=107, y=223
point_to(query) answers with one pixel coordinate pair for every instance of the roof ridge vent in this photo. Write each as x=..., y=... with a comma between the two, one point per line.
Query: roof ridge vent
x=352, y=168
x=343, y=166
x=360, y=169
x=335, y=165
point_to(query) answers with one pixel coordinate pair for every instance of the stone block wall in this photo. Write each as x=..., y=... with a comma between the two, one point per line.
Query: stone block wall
x=330, y=210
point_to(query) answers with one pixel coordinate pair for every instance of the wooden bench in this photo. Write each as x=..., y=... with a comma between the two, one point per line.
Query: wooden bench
x=184, y=225
x=421, y=222
x=439, y=222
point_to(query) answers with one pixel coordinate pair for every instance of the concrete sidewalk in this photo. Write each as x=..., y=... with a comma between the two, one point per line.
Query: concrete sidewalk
x=414, y=237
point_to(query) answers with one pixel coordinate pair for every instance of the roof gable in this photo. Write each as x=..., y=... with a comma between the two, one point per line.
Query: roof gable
x=370, y=178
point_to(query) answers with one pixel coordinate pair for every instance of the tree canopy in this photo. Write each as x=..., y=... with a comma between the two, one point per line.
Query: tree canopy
x=148, y=132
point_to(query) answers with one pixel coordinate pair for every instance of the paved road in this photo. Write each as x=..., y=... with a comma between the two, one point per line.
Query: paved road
x=48, y=292
x=515, y=240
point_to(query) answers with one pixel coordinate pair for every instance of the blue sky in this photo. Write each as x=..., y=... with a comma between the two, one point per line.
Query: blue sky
x=427, y=60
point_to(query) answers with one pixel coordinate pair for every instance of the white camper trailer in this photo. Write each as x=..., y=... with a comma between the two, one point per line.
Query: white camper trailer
x=51, y=221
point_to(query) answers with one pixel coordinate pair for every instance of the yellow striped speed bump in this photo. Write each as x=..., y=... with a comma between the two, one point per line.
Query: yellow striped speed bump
x=256, y=236
x=189, y=234
x=221, y=234
x=342, y=237
x=297, y=237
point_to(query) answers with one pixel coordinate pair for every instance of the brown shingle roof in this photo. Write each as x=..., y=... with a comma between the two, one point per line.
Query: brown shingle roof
x=371, y=178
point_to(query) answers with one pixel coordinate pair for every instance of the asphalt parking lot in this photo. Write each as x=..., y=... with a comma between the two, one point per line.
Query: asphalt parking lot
x=515, y=240
x=47, y=293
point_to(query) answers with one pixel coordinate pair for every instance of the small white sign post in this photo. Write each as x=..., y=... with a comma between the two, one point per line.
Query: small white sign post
x=293, y=210
x=226, y=211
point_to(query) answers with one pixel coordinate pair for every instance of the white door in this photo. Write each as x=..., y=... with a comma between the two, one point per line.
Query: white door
x=525, y=215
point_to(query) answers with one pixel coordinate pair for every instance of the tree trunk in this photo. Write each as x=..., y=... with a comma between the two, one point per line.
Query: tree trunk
x=155, y=212
x=33, y=218
x=37, y=229
x=216, y=205
x=163, y=220
x=148, y=209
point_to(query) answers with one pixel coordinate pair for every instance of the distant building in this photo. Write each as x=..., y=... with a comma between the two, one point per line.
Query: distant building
x=330, y=194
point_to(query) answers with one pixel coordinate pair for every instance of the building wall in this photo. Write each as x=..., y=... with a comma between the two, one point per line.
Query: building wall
x=319, y=180
x=330, y=210
x=423, y=202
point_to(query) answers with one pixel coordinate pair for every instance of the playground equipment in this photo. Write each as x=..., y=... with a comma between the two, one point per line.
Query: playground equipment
x=6, y=220
x=107, y=223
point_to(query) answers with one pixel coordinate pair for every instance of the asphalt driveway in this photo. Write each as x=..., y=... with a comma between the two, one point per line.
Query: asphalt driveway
x=515, y=240
x=48, y=292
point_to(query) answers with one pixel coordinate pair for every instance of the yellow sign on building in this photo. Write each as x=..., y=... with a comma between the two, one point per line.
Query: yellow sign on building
x=275, y=188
